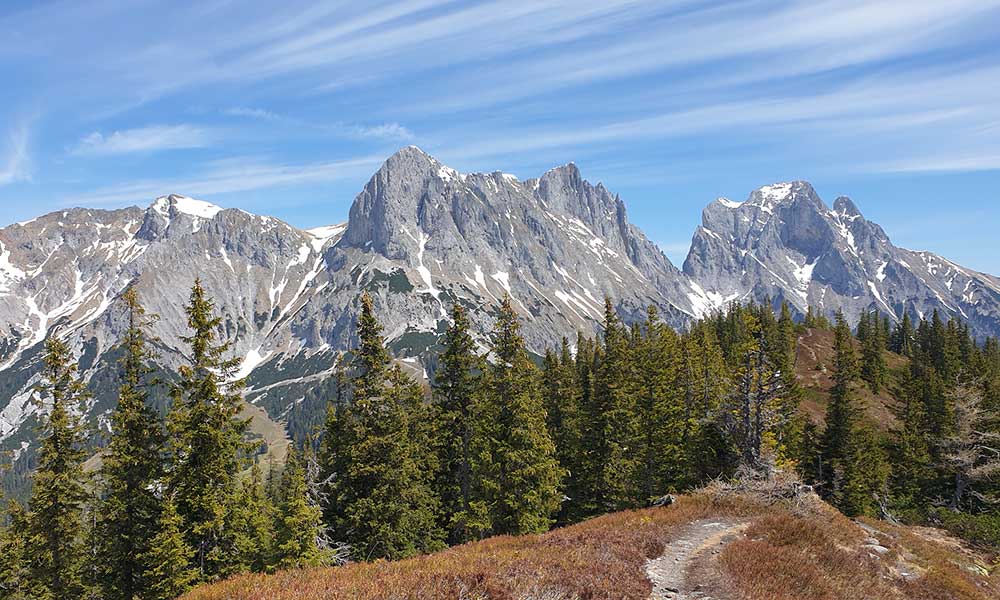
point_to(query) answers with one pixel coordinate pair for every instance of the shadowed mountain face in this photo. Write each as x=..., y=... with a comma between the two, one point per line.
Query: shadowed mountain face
x=421, y=237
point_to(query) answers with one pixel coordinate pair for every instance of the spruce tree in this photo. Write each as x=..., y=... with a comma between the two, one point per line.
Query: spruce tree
x=660, y=410
x=455, y=387
x=15, y=579
x=298, y=521
x=873, y=367
x=563, y=395
x=131, y=467
x=250, y=525
x=54, y=545
x=169, y=568
x=782, y=348
x=521, y=475
x=866, y=474
x=912, y=470
x=704, y=382
x=613, y=430
x=207, y=446
x=382, y=464
x=841, y=412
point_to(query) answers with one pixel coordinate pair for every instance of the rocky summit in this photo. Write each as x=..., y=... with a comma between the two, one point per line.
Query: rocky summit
x=420, y=237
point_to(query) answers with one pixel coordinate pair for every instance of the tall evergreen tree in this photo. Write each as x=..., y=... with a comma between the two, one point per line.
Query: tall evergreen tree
x=841, y=413
x=298, y=524
x=610, y=467
x=207, y=445
x=15, y=579
x=704, y=382
x=382, y=462
x=169, y=568
x=901, y=341
x=455, y=388
x=54, y=545
x=131, y=467
x=782, y=347
x=250, y=523
x=873, y=367
x=660, y=410
x=912, y=468
x=520, y=474
x=866, y=475
x=563, y=393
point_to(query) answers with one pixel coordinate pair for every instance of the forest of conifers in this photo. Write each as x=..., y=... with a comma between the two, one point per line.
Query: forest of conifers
x=503, y=443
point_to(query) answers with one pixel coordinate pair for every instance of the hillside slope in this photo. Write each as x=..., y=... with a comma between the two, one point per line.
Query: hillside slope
x=717, y=543
x=813, y=362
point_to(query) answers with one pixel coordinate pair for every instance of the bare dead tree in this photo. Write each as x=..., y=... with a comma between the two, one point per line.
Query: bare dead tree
x=337, y=553
x=751, y=410
x=971, y=451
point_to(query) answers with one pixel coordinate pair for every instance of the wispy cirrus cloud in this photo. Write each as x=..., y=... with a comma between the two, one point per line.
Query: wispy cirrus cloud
x=252, y=113
x=381, y=131
x=143, y=140
x=228, y=176
x=385, y=131
x=16, y=164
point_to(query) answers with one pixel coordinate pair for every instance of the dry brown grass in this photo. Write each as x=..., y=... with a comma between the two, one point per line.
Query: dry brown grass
x=813, y=361
x=796, y=548
x=602, y=558
x=823, y=557
x=789, y=557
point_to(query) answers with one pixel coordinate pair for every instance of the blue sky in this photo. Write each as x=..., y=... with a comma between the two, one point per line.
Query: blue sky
x=287, y=108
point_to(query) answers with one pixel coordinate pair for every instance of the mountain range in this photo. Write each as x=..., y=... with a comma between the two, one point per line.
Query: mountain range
x=420, y=237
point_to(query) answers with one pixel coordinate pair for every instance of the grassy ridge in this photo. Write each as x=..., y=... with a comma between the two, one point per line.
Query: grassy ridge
x=600, y=558
x=788, y=553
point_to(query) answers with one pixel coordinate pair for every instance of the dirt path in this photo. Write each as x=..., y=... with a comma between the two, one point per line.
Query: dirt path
x=668, y=572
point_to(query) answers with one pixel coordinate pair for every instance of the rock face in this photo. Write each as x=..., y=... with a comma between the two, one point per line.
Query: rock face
x=784, y=243
x=420, y=237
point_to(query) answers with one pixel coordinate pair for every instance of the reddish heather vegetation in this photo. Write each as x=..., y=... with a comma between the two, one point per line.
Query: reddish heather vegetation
x=802, y=552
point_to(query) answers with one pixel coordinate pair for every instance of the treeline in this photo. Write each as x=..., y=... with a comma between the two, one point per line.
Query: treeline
x=501, y=444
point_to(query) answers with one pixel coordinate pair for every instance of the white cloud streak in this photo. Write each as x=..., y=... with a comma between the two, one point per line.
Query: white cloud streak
x=143, y=140
x=232, y=175
x=16, y=165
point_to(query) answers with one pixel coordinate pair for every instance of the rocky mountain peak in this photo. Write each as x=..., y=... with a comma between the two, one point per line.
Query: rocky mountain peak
x=174, y=204
x=846, y=207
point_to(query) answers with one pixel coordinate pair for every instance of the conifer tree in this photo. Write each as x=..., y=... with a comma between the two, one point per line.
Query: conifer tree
x=207, y=446
x=521, y=475
x=563, y=394
x=782, y=346
x=873, y=367
x=250, y=525
x=169, y=568
x=901, y=341
x=703, y=381
x=15, y=579
x=382, y=464
x=455, y=387
x=298, y=524
x=54, y=545
x=912, y=469
x=866, y=474
x=841, y=413
x=131, y=467
x=660, y=410
x=610, y=470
